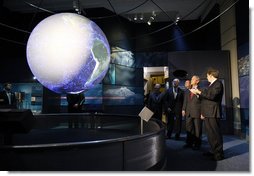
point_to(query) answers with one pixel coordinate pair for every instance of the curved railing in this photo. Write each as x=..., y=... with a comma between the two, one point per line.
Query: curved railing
x=114, y=144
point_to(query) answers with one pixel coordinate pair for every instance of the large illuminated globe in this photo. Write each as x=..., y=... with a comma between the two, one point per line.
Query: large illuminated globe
x=68, y=53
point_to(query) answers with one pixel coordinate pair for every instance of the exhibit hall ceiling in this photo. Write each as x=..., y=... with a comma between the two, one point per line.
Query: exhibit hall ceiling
x=138, y=11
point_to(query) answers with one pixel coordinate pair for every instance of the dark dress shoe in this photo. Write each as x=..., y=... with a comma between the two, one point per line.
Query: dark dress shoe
x=187, y=146
x=195, y=147
x=219, y=158
x=177, y=137
x=209, y=154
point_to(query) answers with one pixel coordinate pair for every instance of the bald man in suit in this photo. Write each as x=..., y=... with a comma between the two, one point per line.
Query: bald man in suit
x=173, y=103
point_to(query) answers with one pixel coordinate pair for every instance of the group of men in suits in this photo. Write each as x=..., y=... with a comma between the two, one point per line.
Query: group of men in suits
x=196, y=105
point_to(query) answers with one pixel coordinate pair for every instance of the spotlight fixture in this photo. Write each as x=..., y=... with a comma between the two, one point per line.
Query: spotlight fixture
x=153, y=14
x=152, y=18
x=76, y=6
x=129, y=18
x=177, y=19
x=135, y=17
x=141, y=17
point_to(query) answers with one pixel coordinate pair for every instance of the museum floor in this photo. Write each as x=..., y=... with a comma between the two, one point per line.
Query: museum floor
x=236, y=152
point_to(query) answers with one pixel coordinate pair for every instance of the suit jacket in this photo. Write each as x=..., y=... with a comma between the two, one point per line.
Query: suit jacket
x=4, y=101
x=211, y=100
x=191, y=105
x=73, y=99
x=175, y=104
x=155, y=102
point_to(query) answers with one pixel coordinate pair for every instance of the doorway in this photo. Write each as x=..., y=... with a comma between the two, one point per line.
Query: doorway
x=155, y=75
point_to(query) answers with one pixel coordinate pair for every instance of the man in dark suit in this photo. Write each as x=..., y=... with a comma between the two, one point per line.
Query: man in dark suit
x=211, y=112
x=192, y=111
x=75, y=103
x=155, y=102
x=173, y=102
x=7, y=97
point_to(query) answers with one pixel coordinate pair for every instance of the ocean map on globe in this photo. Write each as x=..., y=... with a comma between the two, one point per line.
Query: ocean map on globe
x=68, y=53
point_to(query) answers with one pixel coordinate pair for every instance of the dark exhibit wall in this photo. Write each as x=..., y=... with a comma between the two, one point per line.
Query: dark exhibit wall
x=197, y=62
x=15, y=69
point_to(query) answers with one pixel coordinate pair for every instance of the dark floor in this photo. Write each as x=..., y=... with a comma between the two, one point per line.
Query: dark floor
x=236, y=153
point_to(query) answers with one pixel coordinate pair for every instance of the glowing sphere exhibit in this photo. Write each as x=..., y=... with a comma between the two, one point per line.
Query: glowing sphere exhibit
x=68, y=53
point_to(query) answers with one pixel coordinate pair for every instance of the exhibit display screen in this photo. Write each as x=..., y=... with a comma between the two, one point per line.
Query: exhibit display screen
x=123, y=95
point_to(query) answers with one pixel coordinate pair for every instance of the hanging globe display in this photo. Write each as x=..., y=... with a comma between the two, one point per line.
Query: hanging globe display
x=68, y=53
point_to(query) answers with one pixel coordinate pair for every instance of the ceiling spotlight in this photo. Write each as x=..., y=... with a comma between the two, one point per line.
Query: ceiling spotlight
x=76, y=6
x=153, y=14
x=178, y=17
x=152, y=18
x=141, y=17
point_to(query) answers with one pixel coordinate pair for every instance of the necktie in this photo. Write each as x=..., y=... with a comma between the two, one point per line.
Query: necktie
x=191, y=95
x=175, y=92
x=9, y=97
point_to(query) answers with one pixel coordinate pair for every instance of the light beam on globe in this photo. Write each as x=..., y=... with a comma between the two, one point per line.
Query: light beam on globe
x=68, y=53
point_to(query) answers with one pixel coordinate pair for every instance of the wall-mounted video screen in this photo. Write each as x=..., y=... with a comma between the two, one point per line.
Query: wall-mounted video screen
x=123, y=57
x=129, y=76
x=94, y=95
x=110, y=77
x=123, y=95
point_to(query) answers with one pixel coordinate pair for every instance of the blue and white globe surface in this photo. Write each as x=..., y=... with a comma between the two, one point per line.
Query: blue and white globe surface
x=68, y=53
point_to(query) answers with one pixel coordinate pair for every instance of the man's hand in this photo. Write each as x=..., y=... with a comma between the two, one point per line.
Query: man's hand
x=195, y=91
x=183, y=113
x=202, y=117
x=75, y=105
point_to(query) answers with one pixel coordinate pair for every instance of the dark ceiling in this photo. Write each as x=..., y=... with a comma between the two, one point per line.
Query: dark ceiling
x=19, y=17
x=164, y=10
